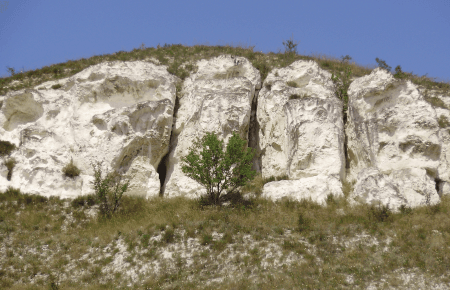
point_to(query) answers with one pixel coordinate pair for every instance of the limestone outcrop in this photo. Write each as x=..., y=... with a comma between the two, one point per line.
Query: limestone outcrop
x=301, y=133
x=218, y=97
x=119, y=113
x=394, y=148
x=442, y=107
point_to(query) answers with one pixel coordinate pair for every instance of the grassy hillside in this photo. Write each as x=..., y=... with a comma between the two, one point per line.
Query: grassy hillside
x=181, y=62
x=50, y=243
x=250, y=244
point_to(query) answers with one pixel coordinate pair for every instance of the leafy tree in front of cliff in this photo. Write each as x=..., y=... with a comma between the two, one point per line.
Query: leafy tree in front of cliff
x=221, y=171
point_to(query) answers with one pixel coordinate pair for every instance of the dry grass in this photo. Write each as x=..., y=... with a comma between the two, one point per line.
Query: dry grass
x=177, y=244
x=180, y=60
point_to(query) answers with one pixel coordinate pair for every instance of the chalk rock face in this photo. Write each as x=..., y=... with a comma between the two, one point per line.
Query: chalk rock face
x=301, y=133
x=316, y=188
x=410, y=186
x=217, y=98
x=393, y=141
x=118, y=113
x=443, y=115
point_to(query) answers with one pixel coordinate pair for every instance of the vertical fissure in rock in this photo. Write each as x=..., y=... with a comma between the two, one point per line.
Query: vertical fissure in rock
x=437, y=185
x=162, y=167
x=162, y=171
x=347, y=162
x=253, y=134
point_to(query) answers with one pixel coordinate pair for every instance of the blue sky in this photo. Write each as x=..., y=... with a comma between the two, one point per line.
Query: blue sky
x=414, y=34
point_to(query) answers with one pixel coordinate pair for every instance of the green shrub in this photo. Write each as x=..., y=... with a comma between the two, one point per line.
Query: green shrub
x=168, y=236
x=341, y=81
x=405, y=209
x=57, y=86
x=290, y=47
x=382, y=64
x=108, y=190
x=218, y=170
x=6, y=148
x=70, y=170
x=83, y=200
x=380, y=213
x=399, y=74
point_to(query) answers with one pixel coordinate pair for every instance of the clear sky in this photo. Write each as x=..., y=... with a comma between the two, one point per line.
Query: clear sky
x=414, y=34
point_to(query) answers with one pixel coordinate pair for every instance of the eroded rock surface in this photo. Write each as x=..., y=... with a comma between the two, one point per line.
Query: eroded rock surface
x=119, y=113
x=441, y=104
x=217, y=98
x=394, y=147
x=301, y=133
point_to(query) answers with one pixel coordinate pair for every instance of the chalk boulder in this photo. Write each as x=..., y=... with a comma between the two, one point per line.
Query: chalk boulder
x=301, y=133
x=118, y=113
x=394, y=148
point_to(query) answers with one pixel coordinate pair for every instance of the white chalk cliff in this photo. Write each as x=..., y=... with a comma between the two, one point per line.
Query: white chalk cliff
x=218, y=97
x=393, y=142
x=129, y=116
x=301, y=133
x=118, y=113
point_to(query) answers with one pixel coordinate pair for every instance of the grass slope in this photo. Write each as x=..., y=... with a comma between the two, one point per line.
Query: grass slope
x=181, y=62
x=258, y=244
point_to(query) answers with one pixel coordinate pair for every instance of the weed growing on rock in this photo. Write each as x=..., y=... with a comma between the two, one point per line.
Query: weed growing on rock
x=6, y=148
x=292, y=84
x=70, y=170
x=443, y=122
x=434, y=101
x=10, y=163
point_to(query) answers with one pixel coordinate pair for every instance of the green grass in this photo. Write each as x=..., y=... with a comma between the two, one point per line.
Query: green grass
x=49, y=240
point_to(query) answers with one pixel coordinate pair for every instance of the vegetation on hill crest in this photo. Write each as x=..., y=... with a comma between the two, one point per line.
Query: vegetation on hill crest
x=181, y=60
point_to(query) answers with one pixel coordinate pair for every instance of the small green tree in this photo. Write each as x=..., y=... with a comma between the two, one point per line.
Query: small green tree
x=108, y=190
x=381, y=63
x=218, y=170
x=341, y=81
x=290, y=47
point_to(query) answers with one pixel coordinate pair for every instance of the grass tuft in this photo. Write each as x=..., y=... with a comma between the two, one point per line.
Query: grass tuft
x=70, y=170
